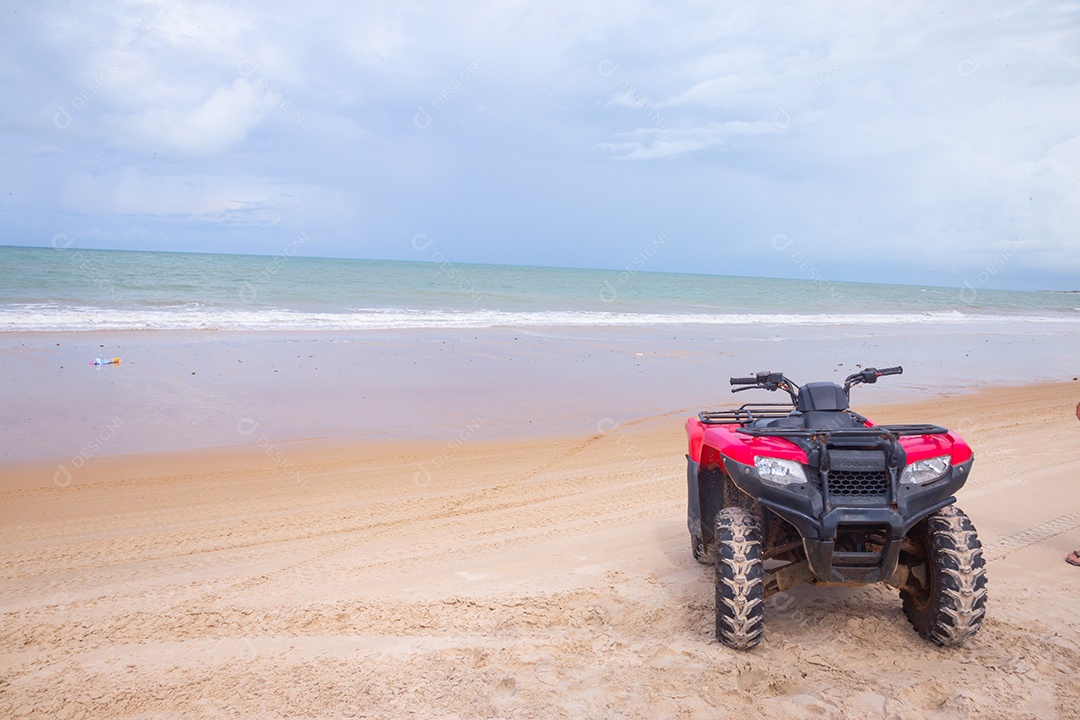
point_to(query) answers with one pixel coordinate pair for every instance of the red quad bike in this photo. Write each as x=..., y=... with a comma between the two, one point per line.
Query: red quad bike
x=812, y=492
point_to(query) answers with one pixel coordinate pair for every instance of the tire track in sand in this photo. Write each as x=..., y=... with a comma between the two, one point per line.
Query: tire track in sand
x=998, y=549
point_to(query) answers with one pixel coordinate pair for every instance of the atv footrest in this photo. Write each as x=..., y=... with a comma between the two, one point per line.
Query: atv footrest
x=857, y=559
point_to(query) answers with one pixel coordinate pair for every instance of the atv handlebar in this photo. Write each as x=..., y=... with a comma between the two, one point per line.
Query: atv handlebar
x=764, y=378
x=767, y=380
x=870, y=375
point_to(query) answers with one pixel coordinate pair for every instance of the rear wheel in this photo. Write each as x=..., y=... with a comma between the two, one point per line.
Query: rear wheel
x=945, y=597
x=698, y=547
x=740, y=588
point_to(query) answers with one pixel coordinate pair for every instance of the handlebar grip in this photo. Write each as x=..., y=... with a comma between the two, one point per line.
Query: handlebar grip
x=891, y=371
x=744, y=381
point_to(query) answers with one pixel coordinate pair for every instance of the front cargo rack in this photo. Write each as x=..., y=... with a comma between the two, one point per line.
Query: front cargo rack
x=748, y=413
x=872, y=431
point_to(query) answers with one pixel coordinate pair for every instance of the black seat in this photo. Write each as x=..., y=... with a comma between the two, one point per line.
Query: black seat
x=793, y=421
x=815, y=420
x=821, y=407
x=829, y=420
x=822, y=396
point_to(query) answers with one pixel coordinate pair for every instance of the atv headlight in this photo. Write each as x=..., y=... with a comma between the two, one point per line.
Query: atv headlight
x=924, y=471
x=781, y=472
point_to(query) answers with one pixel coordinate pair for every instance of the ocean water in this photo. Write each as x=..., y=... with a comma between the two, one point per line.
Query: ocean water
x=70, y=289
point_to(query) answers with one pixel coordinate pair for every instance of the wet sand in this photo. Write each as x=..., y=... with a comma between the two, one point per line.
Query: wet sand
x=465, y=576
x=177, y=391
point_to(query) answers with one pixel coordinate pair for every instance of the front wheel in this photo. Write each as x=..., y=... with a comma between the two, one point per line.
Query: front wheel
x=945, y=598
x=740, y=588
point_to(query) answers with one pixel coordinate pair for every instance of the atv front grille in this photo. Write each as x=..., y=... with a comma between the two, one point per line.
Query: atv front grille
x=859, y=483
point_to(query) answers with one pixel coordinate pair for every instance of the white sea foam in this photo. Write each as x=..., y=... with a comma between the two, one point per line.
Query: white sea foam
x=53, y=318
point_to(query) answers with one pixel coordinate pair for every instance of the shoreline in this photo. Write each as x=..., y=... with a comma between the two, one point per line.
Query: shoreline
x=290, y=455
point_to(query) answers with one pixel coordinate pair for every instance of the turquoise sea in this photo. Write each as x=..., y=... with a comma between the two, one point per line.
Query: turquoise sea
x=69, y=289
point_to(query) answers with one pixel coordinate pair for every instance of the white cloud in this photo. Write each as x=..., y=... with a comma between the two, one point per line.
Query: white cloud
x=219, y=122
x=657, y=143
x=720, y=91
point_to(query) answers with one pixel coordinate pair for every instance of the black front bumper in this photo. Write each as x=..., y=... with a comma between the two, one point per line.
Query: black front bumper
x=820, y=518
x=820, y=521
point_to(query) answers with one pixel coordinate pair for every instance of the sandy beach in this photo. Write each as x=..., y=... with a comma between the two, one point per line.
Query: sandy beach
x=475, y=578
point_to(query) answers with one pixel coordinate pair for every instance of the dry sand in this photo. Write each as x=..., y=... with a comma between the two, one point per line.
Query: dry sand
x=540, y=578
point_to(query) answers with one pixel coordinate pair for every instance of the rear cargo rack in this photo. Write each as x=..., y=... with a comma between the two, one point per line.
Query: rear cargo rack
x=746, y=414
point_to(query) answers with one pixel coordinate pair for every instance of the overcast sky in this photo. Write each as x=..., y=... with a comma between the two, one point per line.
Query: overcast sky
x=918, y=142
